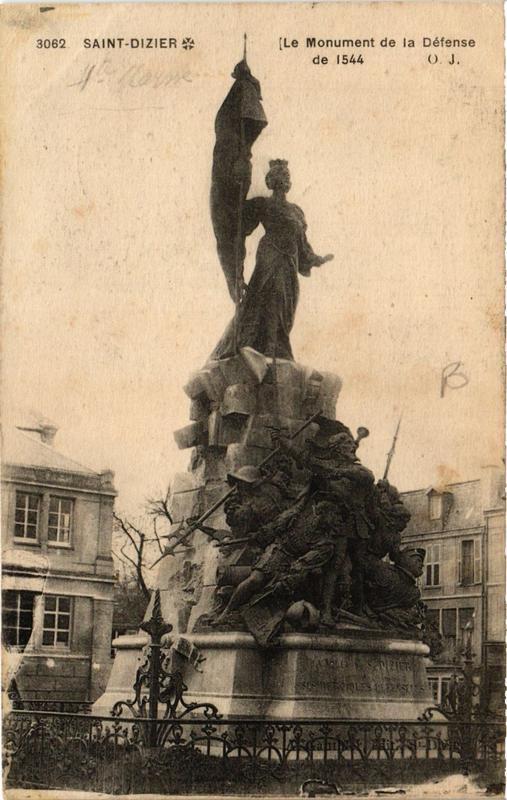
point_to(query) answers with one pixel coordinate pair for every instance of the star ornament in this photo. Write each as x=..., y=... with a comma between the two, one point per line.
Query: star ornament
x=188, y=43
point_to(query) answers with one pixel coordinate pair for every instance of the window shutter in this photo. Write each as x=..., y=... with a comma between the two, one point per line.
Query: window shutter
x=429, y=569
x=465, y=616
x=477, y=561
x=436, y=569
x=449, y=622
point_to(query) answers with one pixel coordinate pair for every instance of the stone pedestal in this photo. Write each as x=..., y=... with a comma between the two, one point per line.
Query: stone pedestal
x=354, y=674
x=351, y=675
x=120, y=686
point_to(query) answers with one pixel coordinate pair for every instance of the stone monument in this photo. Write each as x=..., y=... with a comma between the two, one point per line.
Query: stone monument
x=275, y=576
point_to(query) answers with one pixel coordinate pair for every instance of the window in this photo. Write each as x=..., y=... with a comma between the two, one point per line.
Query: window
x=17, y=618
x=433, y=565
x=433, y=618
x=446, y=619
x=59, y=520
x=433, y=682
x=26, y=517
x=56, y=628
x=439, y=688
x=445, y=685
x=449, y=619
x=435, y=503
x=449, y=629
x=469, y=566
x=451, y=623
x=465, y=621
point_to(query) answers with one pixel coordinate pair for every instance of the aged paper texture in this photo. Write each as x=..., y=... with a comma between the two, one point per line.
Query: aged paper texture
x=114, y=298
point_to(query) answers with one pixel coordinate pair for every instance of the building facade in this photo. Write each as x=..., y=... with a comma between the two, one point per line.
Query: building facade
x=462, y=528
x=57, y=584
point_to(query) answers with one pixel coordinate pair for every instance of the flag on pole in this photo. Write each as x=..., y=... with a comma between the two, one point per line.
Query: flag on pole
x=238, y=123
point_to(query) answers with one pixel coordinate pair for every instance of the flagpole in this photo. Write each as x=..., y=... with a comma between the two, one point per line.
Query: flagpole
x=238, y=244
x=238, y=277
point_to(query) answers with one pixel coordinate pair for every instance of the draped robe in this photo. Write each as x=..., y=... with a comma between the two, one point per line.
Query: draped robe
x=266, y=313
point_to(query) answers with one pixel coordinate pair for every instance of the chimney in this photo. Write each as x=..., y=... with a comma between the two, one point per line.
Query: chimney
x=45, y=429
x=107, y=478
x=47, y=433
x=492, y=488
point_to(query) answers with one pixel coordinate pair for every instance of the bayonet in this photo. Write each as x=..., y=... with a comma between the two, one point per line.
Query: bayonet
x=392, y=450
x=196, y=525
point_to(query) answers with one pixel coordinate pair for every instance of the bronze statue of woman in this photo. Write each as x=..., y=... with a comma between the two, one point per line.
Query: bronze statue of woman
x=266, y=310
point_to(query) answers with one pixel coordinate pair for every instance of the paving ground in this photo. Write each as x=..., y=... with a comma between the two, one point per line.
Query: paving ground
x=454, y=786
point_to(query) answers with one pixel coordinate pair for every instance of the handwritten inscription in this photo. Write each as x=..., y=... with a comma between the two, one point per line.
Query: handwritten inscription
x=133, y=76
x=452, y=377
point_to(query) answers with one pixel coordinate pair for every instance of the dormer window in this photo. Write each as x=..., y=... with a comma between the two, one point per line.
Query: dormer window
x=439, y=505
x=435, y=506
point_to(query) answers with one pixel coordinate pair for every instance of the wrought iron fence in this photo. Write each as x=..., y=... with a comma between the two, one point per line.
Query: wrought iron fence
x=112, y=755
x=158, y=742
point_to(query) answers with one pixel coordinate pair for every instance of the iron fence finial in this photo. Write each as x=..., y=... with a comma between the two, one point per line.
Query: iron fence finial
x=156, y=627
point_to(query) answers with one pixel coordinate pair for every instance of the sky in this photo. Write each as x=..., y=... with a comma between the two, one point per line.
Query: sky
x=112, y=289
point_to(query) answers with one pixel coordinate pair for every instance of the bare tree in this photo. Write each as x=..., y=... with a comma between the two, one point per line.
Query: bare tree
x=158, y=510
x=132, y=550
x=134, y=542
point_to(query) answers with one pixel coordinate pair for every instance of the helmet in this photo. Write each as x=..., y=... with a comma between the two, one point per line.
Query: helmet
x=341, y=438
x=248, y=475
x=414, y=551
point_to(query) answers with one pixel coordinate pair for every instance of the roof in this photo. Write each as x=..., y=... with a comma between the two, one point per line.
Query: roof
x=439, y=490
x=464, y=511
x=25, y=450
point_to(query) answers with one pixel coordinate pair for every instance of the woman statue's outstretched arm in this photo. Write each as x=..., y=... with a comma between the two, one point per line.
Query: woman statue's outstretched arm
x=307, y=258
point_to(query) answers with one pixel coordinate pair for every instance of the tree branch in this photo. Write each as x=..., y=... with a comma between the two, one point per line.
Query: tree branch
x=155, y=531
x=131, y=532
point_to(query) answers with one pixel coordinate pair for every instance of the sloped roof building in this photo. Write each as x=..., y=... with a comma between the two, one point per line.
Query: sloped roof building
x=57, y=585
x=462, y=528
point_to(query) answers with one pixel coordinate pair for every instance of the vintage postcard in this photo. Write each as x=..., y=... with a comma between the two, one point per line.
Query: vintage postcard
x=253, y=506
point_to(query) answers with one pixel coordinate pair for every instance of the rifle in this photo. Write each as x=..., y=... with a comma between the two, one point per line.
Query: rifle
x=391, y=451
x=198, y=522
x=232, y=542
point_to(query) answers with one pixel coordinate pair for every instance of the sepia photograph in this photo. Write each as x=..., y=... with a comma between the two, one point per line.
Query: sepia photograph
x=253, y=471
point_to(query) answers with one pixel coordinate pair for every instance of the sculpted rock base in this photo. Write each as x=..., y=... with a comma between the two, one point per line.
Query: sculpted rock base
x=235, y=403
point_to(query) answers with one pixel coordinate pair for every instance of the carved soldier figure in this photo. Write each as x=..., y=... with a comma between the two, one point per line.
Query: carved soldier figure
x=390, y=518
x=297, y=543
x=258, y=499
x=336, y=471
x=392, y=591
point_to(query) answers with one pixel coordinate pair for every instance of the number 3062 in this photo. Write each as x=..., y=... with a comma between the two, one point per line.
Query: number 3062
x=50, y=44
